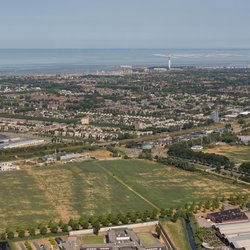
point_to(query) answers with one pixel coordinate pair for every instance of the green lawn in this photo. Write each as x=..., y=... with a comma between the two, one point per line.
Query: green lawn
x=92, y=239
x=147, y=239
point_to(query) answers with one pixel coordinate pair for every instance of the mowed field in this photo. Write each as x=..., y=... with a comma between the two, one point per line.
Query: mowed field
x=38, y=194
x=237, y=154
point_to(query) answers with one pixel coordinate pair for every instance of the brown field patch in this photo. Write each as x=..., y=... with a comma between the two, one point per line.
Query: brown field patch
x=100, y=154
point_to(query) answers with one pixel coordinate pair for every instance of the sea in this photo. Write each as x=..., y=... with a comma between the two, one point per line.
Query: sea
x=78, y=61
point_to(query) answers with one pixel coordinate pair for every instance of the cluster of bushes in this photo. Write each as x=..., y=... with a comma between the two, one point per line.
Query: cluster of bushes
x=146, y=154
x=244, y=168
x=245, y=178
x=182, y=164
x=94, y=223
x=182, y=151
x=114, y=151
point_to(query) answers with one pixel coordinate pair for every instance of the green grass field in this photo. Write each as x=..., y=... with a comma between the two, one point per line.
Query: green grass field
x=168, y=186
x=38, y=194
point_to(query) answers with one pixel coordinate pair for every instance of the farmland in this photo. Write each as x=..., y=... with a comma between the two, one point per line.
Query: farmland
x=37, y=194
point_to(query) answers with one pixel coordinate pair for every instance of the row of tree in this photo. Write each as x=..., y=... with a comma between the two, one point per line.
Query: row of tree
x=179, y=163
x=92, y=223
x=181, y=151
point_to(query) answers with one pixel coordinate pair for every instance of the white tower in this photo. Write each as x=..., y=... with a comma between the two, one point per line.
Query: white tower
x=169, y=62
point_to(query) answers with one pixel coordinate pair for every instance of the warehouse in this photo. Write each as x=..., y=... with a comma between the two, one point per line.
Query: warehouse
x=236, y=234
x=23, y=143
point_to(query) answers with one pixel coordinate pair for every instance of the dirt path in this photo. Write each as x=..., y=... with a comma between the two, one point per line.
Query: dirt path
x=128, y=187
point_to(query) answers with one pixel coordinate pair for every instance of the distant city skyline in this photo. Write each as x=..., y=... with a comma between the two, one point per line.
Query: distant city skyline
x=125, y=24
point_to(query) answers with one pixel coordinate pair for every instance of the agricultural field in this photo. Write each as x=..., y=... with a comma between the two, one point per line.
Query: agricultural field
x=237, y=154
x=177, y=233
x=37, y=194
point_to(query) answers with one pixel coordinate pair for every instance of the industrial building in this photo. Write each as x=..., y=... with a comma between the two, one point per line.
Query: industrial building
x=22, y=143
x=124, y=238
x=236, y=234
x=231, y=215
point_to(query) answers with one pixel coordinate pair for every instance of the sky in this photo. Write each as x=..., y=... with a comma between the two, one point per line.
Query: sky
x=124, y=24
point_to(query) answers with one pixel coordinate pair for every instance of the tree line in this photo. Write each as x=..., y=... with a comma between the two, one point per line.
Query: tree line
x=213, y=160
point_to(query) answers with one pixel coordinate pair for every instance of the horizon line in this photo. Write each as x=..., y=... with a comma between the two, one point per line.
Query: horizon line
x=198, y=48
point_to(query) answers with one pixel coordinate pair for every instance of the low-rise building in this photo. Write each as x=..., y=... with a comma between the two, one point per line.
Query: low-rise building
x=124, y=238
x=231, y=215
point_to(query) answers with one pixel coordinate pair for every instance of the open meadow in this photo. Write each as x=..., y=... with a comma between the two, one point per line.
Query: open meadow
x=236, y=153
x=37, y=194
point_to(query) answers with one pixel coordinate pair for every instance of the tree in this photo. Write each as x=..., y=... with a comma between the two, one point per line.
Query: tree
x=21, y=233
x=10, y=235
x=32, y=231
x=158, y=231
x=52, y=241
x=96, y=227
x=54, y=228
x=64, y=227
x=145, y=217
x=60, y=223
x=71, y=221
x=43, y=230
x=27, y=245
x=153, y=214
x=75, y=226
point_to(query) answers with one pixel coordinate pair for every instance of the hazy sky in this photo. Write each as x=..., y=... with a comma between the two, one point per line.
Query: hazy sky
x=124, y=23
